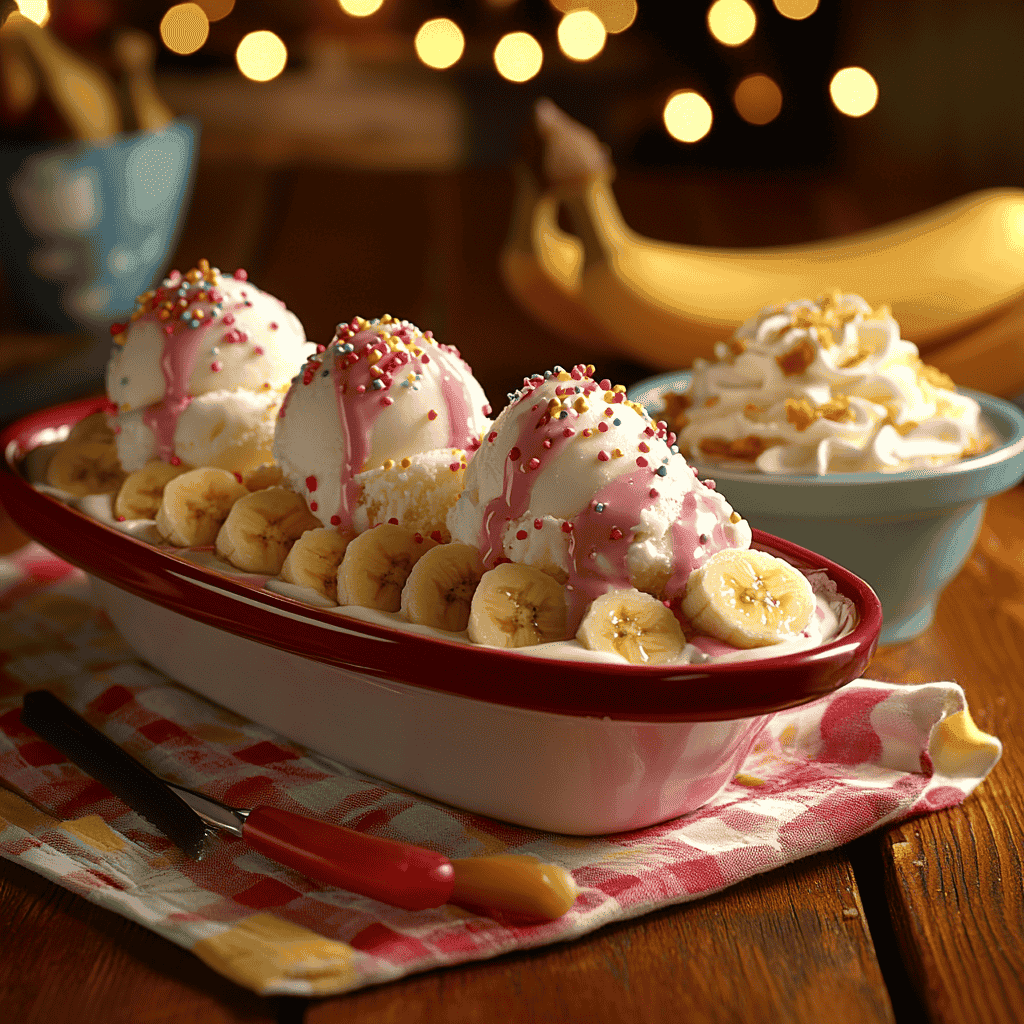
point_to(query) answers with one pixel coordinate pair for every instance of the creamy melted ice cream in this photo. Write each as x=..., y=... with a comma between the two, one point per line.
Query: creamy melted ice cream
x=198, y=373
x=579, y=481
x=824, y=386
x=382, y=396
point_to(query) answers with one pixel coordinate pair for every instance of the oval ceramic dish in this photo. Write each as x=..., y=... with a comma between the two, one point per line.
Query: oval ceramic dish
x=584, y=748
x=907, y=533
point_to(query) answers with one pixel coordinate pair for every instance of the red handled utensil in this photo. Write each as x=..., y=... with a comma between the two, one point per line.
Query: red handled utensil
x=395, y=873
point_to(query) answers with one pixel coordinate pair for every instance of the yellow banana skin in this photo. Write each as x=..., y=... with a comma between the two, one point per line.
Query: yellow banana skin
x=941, y=272
x=541, y=265
x=952, y=275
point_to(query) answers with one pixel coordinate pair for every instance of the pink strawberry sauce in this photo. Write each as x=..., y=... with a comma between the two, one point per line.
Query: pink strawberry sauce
x=602, y=532
x=370, y=368
x=182, y=307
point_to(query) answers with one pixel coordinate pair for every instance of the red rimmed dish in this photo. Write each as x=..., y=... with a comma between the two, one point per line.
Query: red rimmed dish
x=562, y=745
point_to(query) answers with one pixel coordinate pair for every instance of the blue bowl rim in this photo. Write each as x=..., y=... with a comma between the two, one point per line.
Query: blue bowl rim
x=993, y=408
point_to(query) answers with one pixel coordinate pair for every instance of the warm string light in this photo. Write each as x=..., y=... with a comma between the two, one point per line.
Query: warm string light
x=439, y=43
x=581, y=35
x=615, y=15
x=360, y=8
x=731, y=22
x=261, y=56
x=184, y=28
x=35, y=10
x=854, y=92
x=216, y=10
x=757, y=99
x=687, y=116
x=796, y=10
x=518, y=56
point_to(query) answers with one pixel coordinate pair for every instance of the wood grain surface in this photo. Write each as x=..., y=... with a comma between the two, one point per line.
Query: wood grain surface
x=792, y=945
x=955, y=879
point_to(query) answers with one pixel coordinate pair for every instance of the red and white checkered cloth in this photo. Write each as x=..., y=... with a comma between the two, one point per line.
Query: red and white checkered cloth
x=824, y=774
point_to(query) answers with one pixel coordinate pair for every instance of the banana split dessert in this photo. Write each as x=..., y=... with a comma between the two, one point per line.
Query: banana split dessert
x=569, y=527
x=823, y=386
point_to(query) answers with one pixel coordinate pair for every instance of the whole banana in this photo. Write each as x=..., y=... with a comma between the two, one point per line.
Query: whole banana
x=541, y=265
x=949, y=274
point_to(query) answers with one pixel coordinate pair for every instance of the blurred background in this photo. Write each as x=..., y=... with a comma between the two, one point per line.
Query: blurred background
x=355, y=156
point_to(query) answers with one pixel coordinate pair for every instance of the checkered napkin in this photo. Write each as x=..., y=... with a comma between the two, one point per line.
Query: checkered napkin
x=821, y=775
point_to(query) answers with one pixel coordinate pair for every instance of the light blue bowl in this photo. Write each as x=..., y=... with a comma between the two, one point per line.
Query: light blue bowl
x=906, y=534
x=87, y=227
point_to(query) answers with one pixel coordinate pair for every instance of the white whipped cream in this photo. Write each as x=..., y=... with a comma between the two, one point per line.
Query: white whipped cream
x=824, y=386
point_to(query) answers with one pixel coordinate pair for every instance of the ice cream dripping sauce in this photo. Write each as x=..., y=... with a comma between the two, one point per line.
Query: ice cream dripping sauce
x=372, y=363
x=600, y=535
x=183, y=306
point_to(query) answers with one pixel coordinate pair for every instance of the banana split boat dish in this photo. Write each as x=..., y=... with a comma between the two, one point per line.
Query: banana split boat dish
x=547, y=618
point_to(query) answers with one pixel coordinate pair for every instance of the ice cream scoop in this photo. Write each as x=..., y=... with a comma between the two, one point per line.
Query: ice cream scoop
x=823, y=386
x=198, y=372
x=577, y=480
x=382, y=392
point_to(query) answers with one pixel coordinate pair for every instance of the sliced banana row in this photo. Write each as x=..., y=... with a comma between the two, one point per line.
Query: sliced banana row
x=742, y=597
x=748, y=598
x=634, y=625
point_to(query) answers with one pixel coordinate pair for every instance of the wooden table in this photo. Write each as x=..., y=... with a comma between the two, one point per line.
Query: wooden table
x=920, y=922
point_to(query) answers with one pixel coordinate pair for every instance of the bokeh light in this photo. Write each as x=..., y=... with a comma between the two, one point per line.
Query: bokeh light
x=261, y=56
x=687, y=116
x=615, y=15
x=184, y=28
x=796, y=10
x=758, y=99
x=439, y=43
x=35, y=10
x=518, y=56
x=216, y=10
x=581, y=35
x=360, y=8
x=731, y=22
x=853, y=91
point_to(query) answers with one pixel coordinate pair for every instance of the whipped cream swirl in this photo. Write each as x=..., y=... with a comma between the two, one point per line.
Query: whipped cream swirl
x=824, y=386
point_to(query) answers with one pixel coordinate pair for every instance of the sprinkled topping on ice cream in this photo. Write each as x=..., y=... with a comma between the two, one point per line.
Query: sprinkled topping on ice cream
x=202, y=334
x=823, y=387
x=380, y=393
x=579, y=481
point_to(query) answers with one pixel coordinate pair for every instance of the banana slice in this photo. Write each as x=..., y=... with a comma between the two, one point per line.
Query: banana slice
x=314, y=559
x=261, y=477
x=261, y=528
x=517, y=606
x=377, y=564
x=85, y=467
x=440, y=587
x=142, y=491
x=748, y=598
x=195, y=505
x=93, y=428
x=634, y=625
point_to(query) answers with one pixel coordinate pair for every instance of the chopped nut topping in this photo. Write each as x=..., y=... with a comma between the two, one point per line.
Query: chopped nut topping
x=934, y=376
x=862, y=354
x=675, y=409
x=745, y=448
x=797, y=359
x=801, y=413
